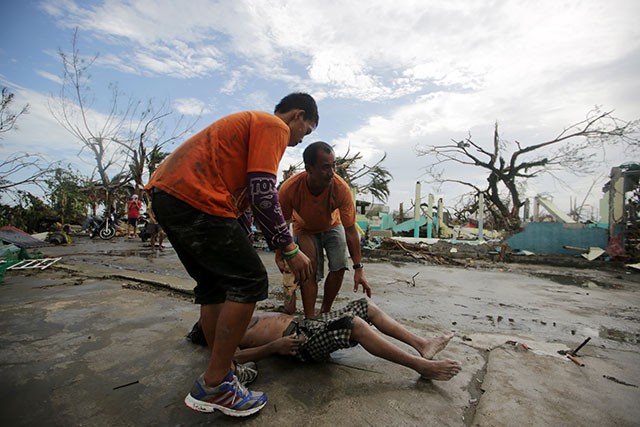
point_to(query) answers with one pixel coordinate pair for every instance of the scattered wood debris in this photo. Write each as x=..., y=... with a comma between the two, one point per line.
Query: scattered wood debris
x=418, y=251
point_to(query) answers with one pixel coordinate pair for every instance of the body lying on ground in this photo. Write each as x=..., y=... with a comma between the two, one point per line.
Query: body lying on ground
x=313, y=340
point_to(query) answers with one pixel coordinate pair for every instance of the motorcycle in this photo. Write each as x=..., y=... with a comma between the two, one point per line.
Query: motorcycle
x=143, y=220
x=105, y=228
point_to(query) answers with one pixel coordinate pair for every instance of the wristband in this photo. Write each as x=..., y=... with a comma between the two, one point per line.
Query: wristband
x=357, y=266
x=291, y=254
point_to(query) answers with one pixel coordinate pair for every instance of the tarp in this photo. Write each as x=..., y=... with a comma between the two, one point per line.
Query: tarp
x=9, y=234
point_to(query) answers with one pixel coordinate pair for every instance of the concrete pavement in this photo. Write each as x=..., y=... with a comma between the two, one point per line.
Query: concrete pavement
x=94, y=341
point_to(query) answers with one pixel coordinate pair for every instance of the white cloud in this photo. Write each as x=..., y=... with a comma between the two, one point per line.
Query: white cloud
x=441, y=69
x=49, y=76
x=190, y=107
x=350, y=48
x=37, y=131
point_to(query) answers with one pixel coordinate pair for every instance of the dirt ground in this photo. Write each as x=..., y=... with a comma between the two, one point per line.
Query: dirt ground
x=511, y=320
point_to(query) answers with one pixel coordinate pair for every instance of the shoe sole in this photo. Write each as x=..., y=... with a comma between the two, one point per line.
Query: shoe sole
x=200, y=406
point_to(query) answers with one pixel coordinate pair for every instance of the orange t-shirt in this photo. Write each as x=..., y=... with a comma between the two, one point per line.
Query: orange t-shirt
x=315, y=214
x=209, y=170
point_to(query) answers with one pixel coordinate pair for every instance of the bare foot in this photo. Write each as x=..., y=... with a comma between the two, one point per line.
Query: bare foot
x=435, y=345
x=440, y=370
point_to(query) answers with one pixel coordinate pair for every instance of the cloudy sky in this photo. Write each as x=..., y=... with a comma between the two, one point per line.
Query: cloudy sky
x=388, y=76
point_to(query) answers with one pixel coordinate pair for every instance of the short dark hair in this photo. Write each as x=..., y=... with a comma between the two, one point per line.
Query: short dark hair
x=302, y=101
x=310, y=154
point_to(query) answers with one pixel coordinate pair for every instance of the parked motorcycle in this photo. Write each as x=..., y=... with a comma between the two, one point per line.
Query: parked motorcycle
x=143, y=220
x=105, y=228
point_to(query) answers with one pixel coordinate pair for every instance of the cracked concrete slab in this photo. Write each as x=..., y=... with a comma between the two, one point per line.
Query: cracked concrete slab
x=99, y=340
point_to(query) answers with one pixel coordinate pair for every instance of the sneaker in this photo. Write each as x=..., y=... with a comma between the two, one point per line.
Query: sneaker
x=230, y=397
x=196, y=335
x=246, y=372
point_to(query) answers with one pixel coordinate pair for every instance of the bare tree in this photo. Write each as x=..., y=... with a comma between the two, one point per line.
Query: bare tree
x=8, y=117
x=578, y=149
x=98, y=133
x=19, y=168
x=117, y=141
x=23, y=168
x=148, y=137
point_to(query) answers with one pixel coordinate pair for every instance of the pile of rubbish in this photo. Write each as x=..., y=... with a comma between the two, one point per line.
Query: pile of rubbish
x=436, y=251
x=11, y=255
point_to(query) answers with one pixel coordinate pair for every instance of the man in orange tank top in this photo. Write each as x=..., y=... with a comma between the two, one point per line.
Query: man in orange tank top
x=199, y=193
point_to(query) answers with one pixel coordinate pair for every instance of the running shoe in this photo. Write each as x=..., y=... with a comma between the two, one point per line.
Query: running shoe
x=246, y=372
x=230, y=397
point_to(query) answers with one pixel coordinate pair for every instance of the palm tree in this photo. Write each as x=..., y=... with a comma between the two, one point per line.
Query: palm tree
x=376, y=177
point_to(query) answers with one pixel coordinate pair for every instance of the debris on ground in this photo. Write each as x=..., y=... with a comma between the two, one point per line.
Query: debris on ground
x=28, y=264
x=21, y=239
x=519, y=346
x=575, y=360
x=11, y=255
x=417, y=251
x=615, y=380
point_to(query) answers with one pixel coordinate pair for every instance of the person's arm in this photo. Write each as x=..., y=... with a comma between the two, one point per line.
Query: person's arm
x=287, y=346
x=353, y=244
x=284, y=197
x=245, y=222
x=268, y=215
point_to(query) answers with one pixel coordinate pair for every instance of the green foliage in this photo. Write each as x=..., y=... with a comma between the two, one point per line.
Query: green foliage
x=30, y=214
x=8, y=117
x=376, y=178
x=68, y=196
x=154, y=158
x=10, y=258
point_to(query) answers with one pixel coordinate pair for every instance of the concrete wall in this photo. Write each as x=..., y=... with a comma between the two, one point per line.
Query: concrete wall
x=550, y=237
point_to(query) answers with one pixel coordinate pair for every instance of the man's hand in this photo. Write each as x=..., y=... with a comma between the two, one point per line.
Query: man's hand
x=300, y=266
x=288, y=345
x=282, y=266
x=359, y=279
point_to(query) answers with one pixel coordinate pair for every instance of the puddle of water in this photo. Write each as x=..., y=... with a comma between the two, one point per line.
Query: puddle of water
x=142, y=253
x=618, y=335
x=579, y=281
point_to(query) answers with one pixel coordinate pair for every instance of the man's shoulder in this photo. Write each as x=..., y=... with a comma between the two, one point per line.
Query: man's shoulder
x=294, y=182
x=341, y=183
x=266, y=119
x=255, y=117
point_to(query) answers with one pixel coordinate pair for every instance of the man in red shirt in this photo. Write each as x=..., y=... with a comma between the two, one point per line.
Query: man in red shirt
x=198, y=194
x=133, y=213
x=320, y=205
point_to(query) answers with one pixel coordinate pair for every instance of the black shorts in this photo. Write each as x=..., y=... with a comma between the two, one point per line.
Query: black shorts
x=215, y=251
x=132, y=221
x=153, y=228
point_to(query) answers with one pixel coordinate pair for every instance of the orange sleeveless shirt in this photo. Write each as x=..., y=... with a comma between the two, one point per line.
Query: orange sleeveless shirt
x=209, y=170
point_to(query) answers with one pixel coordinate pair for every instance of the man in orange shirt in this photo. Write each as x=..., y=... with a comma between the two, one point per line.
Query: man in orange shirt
x=319, y=204
x=198, y=194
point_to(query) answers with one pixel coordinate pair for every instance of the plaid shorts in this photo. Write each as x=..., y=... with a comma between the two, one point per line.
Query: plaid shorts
x=330, y=331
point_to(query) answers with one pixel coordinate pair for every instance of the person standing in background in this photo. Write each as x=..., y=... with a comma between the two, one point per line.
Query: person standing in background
x=133, y=213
